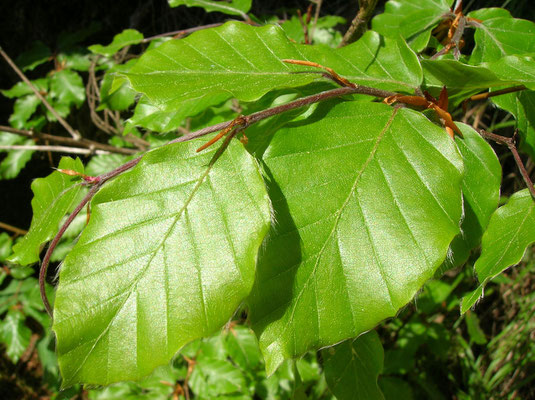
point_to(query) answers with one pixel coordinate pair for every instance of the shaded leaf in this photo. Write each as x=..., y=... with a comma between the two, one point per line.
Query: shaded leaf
x=14, y=334
x=364, y=217
x=53, y=197
x=232, y=7
x=67, y=87
x=5, y=246
x=23, y=110
x=522, y=106
x=38, y=54
x=413, y=20
x=122, y=97
x=127, y=37
x=212, y=378
x=171, y=244
x=15, y=160
x=481, y=191
x=21, y=88
x=502, y=36
x=511, y=230
x=242, y=347
x=353, y=367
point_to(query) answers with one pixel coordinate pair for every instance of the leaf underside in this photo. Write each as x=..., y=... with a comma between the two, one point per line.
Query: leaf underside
x=167, y=257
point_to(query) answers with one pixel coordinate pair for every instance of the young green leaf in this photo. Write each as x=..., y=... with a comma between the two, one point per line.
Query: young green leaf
x=127, y=37
x=353, y=367
x=367, y=200
x=231, y=7
x=54, y=196
x=67, y=87
x=414, y=20
x=503, y=36
x=171, y=244
x=14, y=162
x=184, y=77
x=511, y=230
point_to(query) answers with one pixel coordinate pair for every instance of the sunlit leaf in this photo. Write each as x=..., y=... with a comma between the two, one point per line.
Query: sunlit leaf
x=511, y=230
x=14, y=334
x=171, y=244
x=54, y=196
x=352, y=368
x=413, y=20
x=351, y=243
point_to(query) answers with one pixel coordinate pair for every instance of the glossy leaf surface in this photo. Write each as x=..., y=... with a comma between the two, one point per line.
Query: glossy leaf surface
x=353, y=367
x=511, y=230
x=237, y=60
x=366, y=201
x=414, y=20
x=167, y=257
x=502, y=36
x=54, y=196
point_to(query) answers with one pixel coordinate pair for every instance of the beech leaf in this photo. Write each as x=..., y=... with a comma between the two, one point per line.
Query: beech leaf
x=167, y=257
x=232, y=7
x=366, y=201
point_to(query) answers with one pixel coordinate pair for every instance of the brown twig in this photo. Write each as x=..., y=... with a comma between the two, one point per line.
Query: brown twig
x=360, y=22
x=316, y=17
x=486, y=95
x=75, y=135
x=14, y=229
x=511, y=144
x=90, y=144
x=57, y=149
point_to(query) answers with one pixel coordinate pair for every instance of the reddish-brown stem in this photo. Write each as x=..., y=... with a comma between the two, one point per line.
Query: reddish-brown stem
x=360, y=22
x=64, y=123
x=245, y=121
x=510, y=143
x=486, y=95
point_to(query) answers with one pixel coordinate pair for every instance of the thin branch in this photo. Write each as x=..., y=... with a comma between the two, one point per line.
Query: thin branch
x=510, y=143
x=316, y=17
x=13, y=229
x=360, y=22
x=486, y=95
x=57, y=149
x=64, y=123
x=245, y=121
x=90, y=144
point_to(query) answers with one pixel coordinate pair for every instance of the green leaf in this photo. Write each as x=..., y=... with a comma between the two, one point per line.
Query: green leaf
x=511, y=230
x=21, y=88
x=518, y=69
x=171, y=244
x=481, y=191
x=366, y=200
x=67, y=87
x=231, y=7
x=474, y=330
x=522, y=106
x=5, y=246
x=464, y=80
x=242, y=347
x=212, y=378
x=23, y=110
x=14, y=334
x=77, y=60
x=413, y=20
x=38, y=54
x=54, y=196
x=127, y=37
x=183, y=77
x=324, y=31
x=15, y=160
x=122, y=97
x=353, y=367
x=488, y=13
x=502, y=36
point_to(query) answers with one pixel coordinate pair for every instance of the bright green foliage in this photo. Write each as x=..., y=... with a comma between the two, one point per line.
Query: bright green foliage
x=123, y=96
x=188, y=233
x=414, y=20
x=352, y=368
x=511, y=230
x=127, y=37
x=15, y=160
x=232, y=7
x=54, y=196
x=502, y=36
x=481, y=190
x=245, y=62
x=5, y=246
x=323, y=32
x=339, y=183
